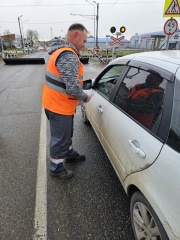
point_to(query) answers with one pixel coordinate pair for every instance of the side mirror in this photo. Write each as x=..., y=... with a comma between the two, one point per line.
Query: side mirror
x=87, y=84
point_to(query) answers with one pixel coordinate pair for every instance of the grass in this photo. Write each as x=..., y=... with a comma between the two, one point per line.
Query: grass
x=119, y=53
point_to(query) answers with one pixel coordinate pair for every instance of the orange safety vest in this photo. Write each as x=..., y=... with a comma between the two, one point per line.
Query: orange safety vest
x=142, y=95
x=55, y=97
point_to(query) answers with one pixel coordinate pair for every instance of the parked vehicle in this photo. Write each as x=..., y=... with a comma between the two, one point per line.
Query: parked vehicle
x=28, y=50
x=40, y=48
x=84, y=59
x=135, y=112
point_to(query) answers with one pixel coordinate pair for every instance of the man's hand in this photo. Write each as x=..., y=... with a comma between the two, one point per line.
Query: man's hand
x=88, y=99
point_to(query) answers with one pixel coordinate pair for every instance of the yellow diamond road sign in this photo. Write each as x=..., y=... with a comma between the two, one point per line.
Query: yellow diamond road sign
x=172, y=8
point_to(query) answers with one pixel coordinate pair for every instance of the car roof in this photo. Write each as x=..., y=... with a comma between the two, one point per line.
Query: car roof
x=168, y=59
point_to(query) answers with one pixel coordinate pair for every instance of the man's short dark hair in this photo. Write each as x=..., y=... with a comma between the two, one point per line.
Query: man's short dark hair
x=156, y=76
x=77, y=26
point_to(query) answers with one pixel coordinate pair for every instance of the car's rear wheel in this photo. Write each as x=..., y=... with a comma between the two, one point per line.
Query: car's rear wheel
x=145, y=222
x=84, y=116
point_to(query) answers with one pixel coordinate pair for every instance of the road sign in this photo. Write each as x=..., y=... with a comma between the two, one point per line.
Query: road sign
x=117, y=40
x=172, y=8
x=170, y=26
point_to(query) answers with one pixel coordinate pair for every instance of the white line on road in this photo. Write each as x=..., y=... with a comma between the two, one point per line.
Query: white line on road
x=40, y=221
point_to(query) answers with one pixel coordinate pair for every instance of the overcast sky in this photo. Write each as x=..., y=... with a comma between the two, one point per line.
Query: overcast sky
x=54, y=16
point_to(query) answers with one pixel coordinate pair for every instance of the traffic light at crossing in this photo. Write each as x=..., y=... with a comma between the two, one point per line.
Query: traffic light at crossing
x=112, y=29
x=122, y=29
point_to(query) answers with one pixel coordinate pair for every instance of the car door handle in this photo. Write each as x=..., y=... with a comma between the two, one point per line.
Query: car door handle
x=100, y=108
x=136, y=148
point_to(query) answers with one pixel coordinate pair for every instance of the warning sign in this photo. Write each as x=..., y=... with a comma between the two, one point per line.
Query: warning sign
x=172, y=8
x=117, y=40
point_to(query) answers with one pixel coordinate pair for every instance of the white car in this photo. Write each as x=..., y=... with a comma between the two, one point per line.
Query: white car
x=135, y=112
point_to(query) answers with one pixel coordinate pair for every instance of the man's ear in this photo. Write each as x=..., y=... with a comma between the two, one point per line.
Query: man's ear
x=75, y=34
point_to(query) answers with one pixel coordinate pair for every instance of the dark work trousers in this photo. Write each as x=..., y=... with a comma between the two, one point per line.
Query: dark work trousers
x=61, y=129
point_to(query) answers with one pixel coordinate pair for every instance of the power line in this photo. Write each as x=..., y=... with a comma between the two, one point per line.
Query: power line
x=134, y=2
x=127, y=2
x=46, y=5
x=8, y=22
x=75, y=4
x=41, y=22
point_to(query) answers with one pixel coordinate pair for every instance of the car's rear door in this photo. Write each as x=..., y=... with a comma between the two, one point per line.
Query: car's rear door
x=131, y=143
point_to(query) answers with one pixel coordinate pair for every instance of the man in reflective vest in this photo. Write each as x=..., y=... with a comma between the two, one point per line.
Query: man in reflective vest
x=62, y=91
x=144, y=101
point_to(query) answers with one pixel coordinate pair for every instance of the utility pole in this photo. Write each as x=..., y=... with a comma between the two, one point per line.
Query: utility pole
x=94, y=20
x=20, y=32
x=23, y=30
x=51, y=33
x=97, y=19
x=2, y=46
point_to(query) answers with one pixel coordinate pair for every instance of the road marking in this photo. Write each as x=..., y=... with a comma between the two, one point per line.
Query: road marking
x=40, y=221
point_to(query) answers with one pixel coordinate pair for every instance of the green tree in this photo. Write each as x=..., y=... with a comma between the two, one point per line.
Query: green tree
x=32, y=34
x=6, y=32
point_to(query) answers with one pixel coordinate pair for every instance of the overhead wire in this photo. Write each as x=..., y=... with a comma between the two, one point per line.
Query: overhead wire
x=41, y=22
x=75, y=4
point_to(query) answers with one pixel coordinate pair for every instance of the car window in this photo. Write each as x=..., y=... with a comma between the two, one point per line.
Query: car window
x=107, y=82
x=141, y=95
x=174, y=134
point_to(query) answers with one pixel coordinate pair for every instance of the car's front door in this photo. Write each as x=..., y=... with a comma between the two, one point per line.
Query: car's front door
x=101, y=93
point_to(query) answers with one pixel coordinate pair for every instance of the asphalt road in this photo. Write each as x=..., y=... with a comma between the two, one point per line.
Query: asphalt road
x=90, y=206
x=20, y=104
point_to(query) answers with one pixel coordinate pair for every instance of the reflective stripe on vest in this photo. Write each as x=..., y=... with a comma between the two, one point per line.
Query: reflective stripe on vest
x=55, y=82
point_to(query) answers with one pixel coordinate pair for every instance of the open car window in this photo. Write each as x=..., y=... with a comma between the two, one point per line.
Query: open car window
x=107, y=82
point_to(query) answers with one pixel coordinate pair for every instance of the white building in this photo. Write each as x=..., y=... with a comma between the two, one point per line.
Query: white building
x=147, y=41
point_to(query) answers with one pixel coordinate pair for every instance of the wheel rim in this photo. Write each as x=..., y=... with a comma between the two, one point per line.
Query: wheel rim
x=144, y=224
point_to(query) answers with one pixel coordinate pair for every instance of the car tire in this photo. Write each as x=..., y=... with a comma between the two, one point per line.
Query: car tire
x=145, y=220
x=84, y=116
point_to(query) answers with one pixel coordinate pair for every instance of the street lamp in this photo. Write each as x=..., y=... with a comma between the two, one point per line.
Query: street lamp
x=20, y=31
x=94, y=19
